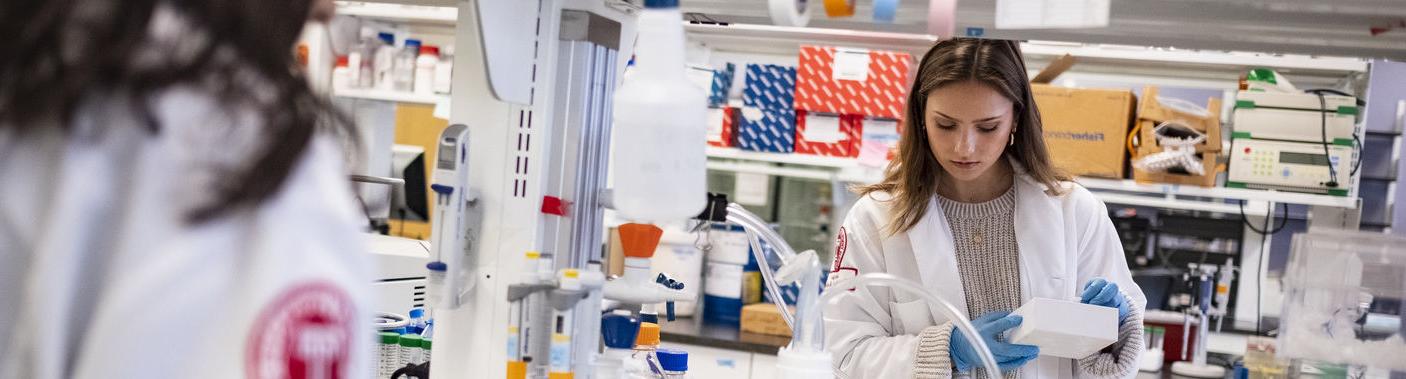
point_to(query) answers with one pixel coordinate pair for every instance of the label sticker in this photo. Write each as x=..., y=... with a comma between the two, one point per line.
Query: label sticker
x=850, y=64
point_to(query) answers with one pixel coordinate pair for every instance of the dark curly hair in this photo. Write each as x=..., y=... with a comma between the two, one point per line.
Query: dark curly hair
x=57, y=52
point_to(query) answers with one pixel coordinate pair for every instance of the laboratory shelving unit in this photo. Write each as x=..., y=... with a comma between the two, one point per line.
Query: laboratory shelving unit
x=392, y=96
x=1210, y=69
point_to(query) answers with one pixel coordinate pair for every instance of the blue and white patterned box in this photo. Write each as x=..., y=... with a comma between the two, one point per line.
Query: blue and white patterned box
x=767, y=130
x=769, y=111
x=722, y=85
x=770, y=87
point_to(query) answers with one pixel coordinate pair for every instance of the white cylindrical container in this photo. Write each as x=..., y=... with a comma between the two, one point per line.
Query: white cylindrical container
x=803, y=364
x=390, y=354
x=425, y=68
x=660, y=126
x=677, y=257
x=341, y=74
x=444, y=70
x=409, y=350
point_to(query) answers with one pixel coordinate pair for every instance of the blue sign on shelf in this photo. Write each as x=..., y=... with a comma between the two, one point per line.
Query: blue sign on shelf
x=976, y=32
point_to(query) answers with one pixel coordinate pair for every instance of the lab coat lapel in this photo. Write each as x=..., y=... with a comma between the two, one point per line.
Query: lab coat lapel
x=935, y=253
x=1039, y=235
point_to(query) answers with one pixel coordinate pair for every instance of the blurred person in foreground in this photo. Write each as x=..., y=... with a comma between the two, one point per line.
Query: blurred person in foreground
x=174, y=200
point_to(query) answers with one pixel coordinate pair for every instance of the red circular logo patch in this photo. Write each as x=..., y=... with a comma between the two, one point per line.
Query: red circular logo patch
x=304, y=333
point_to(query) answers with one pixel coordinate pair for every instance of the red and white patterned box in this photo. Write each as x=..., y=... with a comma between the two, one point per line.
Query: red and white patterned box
x=722, y=125
x=853, y=81
x=828, y=135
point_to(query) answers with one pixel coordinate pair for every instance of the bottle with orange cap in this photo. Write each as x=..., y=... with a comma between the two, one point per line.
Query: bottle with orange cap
x=644, y=361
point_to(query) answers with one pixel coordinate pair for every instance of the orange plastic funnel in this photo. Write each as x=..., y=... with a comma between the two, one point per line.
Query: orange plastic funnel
x=640, y=240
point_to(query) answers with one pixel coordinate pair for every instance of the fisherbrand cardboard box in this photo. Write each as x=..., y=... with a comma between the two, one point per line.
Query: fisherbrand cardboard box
x=1086, y=130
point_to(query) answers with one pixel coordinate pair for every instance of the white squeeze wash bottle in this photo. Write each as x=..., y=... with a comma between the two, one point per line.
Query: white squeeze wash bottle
x=660, y=129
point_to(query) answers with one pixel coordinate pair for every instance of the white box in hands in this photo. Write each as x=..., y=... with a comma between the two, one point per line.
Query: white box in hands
x=1065, y=329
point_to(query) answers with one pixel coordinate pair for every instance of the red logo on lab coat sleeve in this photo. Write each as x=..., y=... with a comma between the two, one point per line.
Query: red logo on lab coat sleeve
x=304, y=333
x=841, y=242
x=840, y=273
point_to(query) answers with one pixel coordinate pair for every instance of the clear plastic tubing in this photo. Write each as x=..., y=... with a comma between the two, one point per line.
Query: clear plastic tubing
x=755, y=226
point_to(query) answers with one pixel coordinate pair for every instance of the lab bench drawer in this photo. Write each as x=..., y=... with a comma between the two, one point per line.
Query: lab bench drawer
x=763, y=366
x=708, y=362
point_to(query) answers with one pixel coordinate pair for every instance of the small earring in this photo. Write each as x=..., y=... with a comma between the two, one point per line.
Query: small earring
x=1012, y=139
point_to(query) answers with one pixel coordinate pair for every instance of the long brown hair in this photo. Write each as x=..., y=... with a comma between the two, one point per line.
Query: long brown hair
x=911, y=178
x=56, y=53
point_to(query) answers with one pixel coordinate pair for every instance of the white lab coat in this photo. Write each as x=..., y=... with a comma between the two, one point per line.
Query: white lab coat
x=100, y=277
x=1064, y=242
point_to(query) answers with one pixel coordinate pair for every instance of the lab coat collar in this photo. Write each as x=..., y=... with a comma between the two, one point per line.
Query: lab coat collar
x=1035, y=214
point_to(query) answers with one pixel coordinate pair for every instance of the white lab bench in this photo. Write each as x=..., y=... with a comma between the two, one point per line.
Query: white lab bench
x=723, y=351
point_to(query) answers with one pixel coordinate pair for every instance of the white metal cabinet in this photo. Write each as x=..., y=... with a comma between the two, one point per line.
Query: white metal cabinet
x=763, y=366
x=708, y=362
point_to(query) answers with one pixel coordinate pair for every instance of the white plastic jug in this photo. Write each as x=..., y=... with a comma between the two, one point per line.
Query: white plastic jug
x=659, y=165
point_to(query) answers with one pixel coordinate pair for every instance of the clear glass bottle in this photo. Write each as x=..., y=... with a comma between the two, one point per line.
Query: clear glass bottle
x=644, y=363
x=383, y=62
x=404, y=72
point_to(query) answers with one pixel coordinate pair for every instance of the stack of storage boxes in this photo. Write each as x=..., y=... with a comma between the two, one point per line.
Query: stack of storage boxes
x=769, y=111
x=1155, y=111
x=722, y=119
x=841, y=91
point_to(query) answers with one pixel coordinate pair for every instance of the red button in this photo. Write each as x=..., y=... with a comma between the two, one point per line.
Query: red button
x=1247, y=150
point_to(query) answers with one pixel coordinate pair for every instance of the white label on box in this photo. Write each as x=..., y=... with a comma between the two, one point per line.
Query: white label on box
x=850, y=64
x=724, y=279
x=753, y=114
x=751, y=189
x=715, y=125
x=879, y=137
x=823, y=129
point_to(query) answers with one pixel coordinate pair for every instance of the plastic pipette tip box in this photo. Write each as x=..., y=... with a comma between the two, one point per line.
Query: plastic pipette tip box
x=1065, y=329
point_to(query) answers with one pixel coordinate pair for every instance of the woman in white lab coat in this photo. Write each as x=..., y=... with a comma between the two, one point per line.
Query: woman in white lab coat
x=172, y=203
x=973, y=210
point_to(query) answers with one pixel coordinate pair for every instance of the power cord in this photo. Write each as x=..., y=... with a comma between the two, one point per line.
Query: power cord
x=1283, y=220
x=1323, y=129
x=1266, y=233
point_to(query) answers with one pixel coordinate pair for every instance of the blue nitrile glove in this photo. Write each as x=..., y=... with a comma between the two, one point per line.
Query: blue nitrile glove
x=1101, y=292
x=1008, y=356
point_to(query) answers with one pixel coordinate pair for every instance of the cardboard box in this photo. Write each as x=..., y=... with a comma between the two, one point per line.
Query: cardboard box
x=1086, y=129
x=765, y=318
x=1151, y=113
x=1208, y=163
x=853, y=81
x=1153, y=110
x=722, y=126
x=828, y=134
x=1065, y=329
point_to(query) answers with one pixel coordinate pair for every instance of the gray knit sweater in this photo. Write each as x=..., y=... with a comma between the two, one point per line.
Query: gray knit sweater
x=988, y=261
